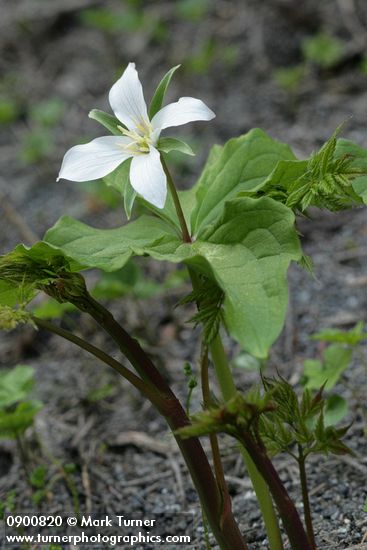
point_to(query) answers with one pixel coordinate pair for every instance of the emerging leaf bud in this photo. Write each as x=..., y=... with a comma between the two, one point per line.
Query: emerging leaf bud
x=10, y=318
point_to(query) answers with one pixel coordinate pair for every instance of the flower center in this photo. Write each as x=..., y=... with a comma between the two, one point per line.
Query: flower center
x=142, y=137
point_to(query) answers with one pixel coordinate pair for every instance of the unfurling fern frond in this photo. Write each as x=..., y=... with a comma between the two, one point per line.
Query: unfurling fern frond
x=327, y=181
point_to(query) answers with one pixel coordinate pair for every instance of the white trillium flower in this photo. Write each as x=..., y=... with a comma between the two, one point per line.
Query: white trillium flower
x=138, y=140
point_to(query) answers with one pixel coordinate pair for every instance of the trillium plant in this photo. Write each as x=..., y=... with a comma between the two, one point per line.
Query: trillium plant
x=235, y=233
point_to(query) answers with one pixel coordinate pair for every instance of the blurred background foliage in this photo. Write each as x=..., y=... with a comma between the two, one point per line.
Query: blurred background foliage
x=278, y=64
x=295, y=69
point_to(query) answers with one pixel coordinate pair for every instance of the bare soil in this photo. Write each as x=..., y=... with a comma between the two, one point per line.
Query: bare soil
x=125, y=459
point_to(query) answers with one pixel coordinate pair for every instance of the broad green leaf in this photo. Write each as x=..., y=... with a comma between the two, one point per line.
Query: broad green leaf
x=336, y=408
x=168, y=144
x=158, y=97
x=110, y=249
x=348, y=148
x=108, y=121
x=241, y=165
x=15, y=384
x=14, y=423
x=247, y=252
x=328, y=371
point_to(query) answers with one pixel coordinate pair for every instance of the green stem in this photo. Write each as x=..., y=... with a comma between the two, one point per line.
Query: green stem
x=228, y=389
x=288, y=512
x=261, y=489
x=176, y=200
x=305, y=498
x=222, y=368
x=217, y=461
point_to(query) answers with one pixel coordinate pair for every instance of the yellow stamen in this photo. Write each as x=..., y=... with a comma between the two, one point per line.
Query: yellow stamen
x=141, y=137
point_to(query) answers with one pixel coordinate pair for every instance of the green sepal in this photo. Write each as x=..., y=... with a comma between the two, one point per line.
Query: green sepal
x=119, y=179
x=129, y=198
x=108, y=121
x=159, y=94
x=167, y=144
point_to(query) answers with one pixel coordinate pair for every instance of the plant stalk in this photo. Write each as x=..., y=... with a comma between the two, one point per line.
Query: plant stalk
x=261, y=489
x=226, y=532
x=217, y=461
x=176, y=200
x=228, y=389
x=305, y=498
x=288, y=512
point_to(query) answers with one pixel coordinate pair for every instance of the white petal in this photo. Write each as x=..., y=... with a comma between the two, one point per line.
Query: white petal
x=148, y=178
x=186, y=109
x=127, y=99
x=95, y=159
